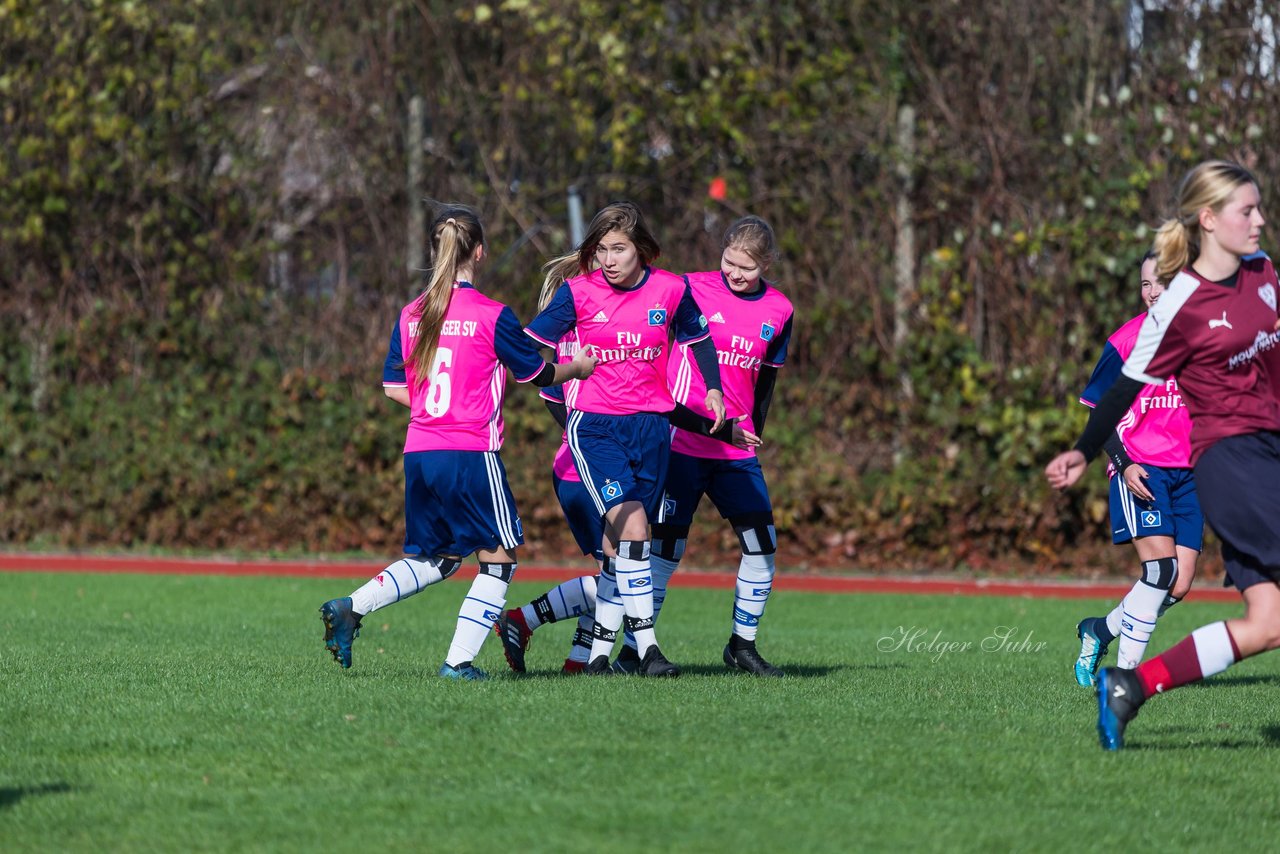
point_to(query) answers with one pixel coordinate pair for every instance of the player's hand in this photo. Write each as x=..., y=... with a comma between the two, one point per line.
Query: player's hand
x=584, y=363
x=1135, y=477
x=715, y=402
x=1065, y=469
x=742, y=437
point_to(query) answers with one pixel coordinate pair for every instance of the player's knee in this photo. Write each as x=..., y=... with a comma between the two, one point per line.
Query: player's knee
x=633, y=549
x=1160, y=573
x=449, y=566
x=504, y=572
x=669, y=541
x=757, y=536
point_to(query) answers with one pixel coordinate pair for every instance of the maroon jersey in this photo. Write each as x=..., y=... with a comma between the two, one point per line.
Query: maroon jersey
x=1221, y=343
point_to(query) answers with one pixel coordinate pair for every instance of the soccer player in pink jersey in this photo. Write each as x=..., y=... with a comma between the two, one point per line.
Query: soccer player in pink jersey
x=447, y=362
x=623, y=312
x=750, y=323
x=1217, y=328
x=1153, y=499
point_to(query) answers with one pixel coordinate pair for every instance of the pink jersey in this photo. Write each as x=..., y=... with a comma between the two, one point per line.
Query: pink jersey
x=1221, y=342
x=459, y=406
x=628, y=330
x=1157, y=428
x=748, y=331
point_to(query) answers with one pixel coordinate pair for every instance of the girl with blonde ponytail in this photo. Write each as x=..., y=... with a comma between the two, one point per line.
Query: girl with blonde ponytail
x=460, y=345
x=1217, y=329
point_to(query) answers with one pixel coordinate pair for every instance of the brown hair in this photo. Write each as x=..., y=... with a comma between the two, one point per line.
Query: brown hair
x=1208, y=185
x=753, y=236
x=618, y=216
x=455, y=234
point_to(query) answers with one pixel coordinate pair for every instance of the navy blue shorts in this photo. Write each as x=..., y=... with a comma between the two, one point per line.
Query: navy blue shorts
x=584, y=519
x=456, y=502
x=1173, y=512
x=1237, y=479
x=621, y=457
x=735, y=487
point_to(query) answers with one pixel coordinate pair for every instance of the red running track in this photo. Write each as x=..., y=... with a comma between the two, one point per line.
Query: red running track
x=717, y=580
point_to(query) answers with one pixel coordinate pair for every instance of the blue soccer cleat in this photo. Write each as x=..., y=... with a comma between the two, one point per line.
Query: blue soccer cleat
x=341, y=627
x=464, y=672
x=1091, y=652
x=1119, y=698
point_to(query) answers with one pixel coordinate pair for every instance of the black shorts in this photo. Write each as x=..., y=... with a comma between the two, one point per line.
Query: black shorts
x=1238, y=479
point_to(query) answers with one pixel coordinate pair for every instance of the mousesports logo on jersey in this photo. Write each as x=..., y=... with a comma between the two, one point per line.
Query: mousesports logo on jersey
x=1263, y=342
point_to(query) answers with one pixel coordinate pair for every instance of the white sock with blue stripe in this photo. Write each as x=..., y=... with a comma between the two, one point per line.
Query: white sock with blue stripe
x=1140, y=609
x=485, y=601
x=401, y=580
x=751, y=593
x=609, y=614
x=573, y=598
x=635, y=588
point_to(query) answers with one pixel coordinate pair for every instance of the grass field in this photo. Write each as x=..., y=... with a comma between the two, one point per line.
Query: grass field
x=202, y=713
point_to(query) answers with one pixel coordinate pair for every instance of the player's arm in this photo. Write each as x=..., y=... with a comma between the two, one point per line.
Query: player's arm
x=395, y=382
x=691, y=329
x=521, y=355
x=774, y=357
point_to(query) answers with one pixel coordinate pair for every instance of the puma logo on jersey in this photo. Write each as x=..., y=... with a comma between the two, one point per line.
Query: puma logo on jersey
x=1214, y=323
x=600, y=318
x=717, y=318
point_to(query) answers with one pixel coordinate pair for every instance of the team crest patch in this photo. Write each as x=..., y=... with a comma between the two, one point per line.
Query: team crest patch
x=611, y=490
x=1149, y=519
x=767, y=331
x=657, y=317
x=1268, y=294
x=637, y=583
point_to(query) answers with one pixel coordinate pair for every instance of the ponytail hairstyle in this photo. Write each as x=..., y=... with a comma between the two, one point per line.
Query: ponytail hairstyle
x=754, y=236
x=624, y=217
x=455, y=234
x=1208, y=185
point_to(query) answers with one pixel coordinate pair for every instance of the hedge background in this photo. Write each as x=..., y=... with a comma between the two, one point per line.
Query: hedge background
x=205, y=210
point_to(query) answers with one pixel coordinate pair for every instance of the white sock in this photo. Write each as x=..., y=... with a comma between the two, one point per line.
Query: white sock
x=751, y=593
x=609, y=614
x=399, y=580
x=661, y=570
x=581, y=649
x=1140, y=606
x=572, y=598
x=635, y=588
x=485, y=601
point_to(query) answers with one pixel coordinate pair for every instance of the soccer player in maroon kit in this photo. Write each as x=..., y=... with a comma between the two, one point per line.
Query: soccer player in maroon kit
x=1217, y=329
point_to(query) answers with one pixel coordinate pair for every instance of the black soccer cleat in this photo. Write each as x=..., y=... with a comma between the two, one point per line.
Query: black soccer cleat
x=1120, y=696
x=598, y=666
x=741, y=654
x=655, y=664
x=627, y=662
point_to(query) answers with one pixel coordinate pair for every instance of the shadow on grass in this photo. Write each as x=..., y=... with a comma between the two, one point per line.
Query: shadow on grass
x=1242, y=680
x=792, y=672
x=1188, y=737
x=10, y=795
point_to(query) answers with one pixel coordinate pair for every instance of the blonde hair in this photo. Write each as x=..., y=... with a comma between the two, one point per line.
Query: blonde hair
x=455, y=234
x=754, y=236
x=1208, y=185
x=624, y=217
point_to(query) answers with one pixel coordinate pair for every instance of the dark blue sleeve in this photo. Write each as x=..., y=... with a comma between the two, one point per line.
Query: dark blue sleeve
x=393, y=367
x=553, y=393
x=690, y=324
x=1104, y=374
x=776, y=353
x=554, y=321
x=514, y=348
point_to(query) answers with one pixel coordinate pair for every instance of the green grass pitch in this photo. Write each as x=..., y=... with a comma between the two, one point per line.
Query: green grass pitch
x=188, y=713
